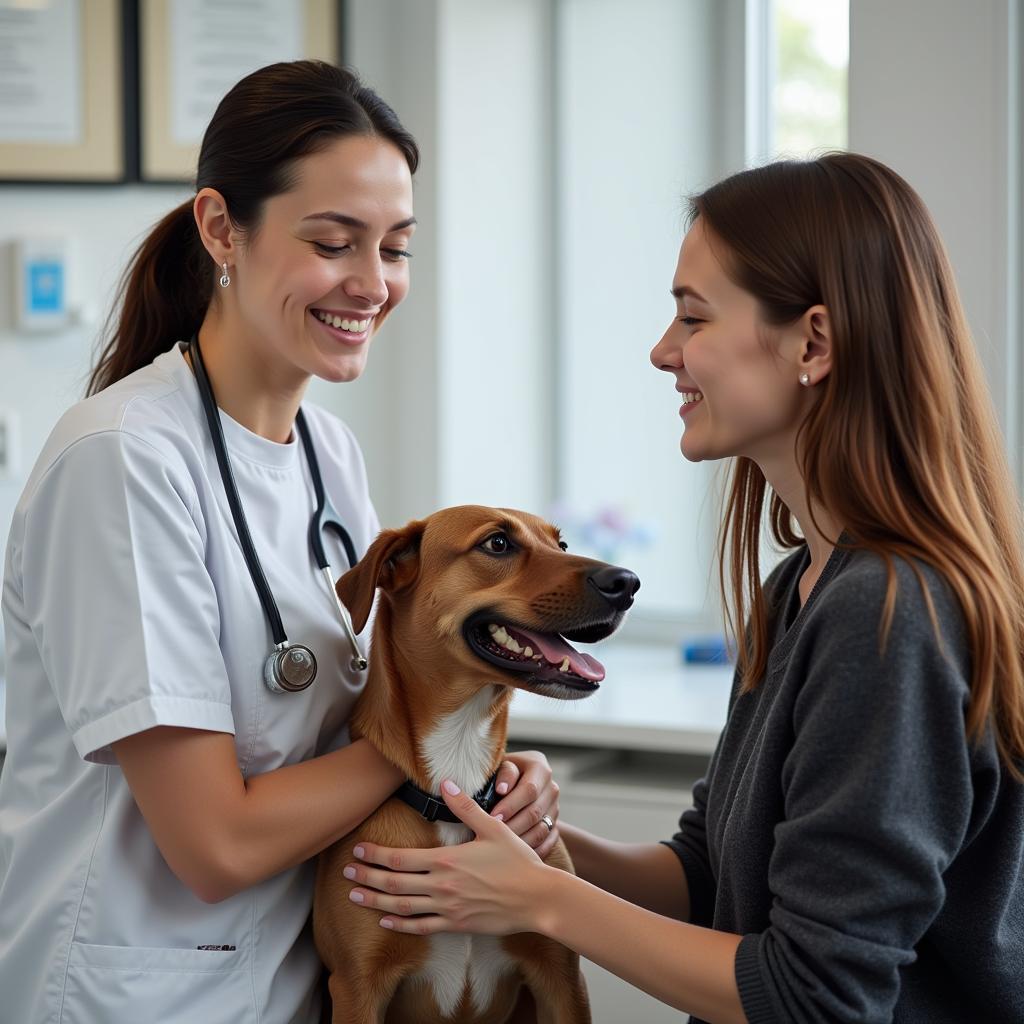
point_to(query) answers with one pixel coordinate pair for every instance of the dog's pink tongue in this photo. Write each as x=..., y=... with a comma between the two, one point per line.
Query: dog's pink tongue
x=556, y=650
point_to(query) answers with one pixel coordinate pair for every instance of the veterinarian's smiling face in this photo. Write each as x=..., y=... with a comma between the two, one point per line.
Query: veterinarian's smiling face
x=329, y=260
x=735, y=375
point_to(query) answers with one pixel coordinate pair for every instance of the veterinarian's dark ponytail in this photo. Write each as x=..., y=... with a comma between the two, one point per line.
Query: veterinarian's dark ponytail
x=261, y=128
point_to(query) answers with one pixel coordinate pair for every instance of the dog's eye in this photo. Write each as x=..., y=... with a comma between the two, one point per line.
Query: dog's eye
x=497, y=544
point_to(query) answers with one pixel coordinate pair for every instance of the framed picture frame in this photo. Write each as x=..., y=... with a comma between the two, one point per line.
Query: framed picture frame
x=62, y=93
x=191, y=53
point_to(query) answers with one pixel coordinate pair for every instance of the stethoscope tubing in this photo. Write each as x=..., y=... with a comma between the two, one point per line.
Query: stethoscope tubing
x=274, y=672
x=237, y=513
x=324, y=515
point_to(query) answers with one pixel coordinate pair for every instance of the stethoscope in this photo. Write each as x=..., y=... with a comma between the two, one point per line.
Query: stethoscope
x=289, y=667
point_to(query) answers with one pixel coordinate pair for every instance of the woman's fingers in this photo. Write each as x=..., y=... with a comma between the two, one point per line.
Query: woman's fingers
x=534, y=796
x=404, y=906
x=529, y=817
x=524, y=793
x=467, y=809
x=508, y=776
x=417, y=925
x=538, y=837
x=534, y=776
x=393, y=882
x=547, y=843
x=393, y=859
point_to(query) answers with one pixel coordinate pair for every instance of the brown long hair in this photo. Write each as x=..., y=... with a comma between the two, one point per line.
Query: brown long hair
x=260, y=129
x=902, y=446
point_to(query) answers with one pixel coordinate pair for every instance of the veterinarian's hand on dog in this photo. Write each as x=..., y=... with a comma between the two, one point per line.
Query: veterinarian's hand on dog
x=534, y=793
x=493, y=885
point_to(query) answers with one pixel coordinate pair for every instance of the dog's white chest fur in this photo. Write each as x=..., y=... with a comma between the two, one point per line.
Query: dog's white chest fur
x=456, y=960
x=460, y=749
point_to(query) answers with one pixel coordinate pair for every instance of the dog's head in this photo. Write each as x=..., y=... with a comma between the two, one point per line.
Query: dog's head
x=487, y=587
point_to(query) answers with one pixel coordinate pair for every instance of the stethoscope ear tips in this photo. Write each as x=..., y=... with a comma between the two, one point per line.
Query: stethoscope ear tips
x=359, y=664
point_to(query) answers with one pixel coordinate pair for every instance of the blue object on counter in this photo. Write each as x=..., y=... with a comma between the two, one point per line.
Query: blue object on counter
x=706, y=650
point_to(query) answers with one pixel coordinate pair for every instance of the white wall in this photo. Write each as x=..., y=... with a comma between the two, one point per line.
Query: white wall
x=393, y=408
x=637, y=137
x=496, y=332
x=935, y=91
x=454, y=417
x=41, y=375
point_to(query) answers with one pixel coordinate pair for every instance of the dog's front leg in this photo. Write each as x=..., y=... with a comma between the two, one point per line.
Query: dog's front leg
x=556, y=1001
x=525, y=1010
x=363, y=1001
x=570, y=1006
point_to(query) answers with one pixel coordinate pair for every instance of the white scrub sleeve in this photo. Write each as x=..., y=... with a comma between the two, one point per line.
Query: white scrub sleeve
x=118, y=596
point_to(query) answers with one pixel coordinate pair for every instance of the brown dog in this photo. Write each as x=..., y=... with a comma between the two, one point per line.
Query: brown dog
x=474, y=603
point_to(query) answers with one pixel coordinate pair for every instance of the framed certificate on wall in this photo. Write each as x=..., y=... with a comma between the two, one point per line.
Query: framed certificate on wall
x=62, y=97
x=191, y=52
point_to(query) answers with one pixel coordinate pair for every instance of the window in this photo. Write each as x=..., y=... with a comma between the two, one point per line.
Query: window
x=634, y=137
x=798, y=57
x=812, y=45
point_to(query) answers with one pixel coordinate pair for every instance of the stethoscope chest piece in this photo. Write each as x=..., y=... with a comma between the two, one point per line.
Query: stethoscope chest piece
x=290, y=668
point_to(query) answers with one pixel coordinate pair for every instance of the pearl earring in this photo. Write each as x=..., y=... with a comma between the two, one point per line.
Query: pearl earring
x=805, y=379
x=225, y=280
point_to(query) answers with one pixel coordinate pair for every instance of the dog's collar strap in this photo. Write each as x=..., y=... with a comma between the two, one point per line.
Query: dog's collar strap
x=433, y=808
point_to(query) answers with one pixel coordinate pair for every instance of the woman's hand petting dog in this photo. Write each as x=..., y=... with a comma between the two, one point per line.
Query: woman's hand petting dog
x=534, y=793
x=494, y=885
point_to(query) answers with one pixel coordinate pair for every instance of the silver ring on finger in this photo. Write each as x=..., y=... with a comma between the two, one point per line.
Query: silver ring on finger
x=546, y=819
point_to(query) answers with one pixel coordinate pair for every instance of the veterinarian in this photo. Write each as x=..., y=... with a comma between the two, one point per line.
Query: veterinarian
x=856, y=850
x=177, y=724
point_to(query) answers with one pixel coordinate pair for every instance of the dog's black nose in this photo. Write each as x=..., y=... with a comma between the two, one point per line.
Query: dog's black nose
x=617, y=586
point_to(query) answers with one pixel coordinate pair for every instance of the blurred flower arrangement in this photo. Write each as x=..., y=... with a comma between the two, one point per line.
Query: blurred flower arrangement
x=606, y=533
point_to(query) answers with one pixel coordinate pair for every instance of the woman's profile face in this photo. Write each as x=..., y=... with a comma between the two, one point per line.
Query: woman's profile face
x=328, y=261
x=740, y=395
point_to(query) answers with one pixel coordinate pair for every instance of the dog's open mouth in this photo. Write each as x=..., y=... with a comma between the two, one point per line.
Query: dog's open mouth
x=546, y=657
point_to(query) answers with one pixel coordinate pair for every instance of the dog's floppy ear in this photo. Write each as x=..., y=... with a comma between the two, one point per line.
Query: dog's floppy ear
x=391, y=562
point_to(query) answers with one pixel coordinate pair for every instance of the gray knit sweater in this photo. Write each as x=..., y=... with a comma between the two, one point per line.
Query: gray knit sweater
x=872, y=860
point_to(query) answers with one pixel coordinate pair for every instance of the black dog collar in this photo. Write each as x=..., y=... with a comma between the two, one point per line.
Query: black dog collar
x=433, y=808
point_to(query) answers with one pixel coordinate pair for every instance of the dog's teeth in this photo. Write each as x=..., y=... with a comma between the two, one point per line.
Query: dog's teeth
x=513, y=646
x=537, y=657
x=492, y=629
x=500, y=635
x=564, y=667
x=528, y=651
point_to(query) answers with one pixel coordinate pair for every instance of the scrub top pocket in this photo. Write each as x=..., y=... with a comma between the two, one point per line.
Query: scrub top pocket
x=128, y=984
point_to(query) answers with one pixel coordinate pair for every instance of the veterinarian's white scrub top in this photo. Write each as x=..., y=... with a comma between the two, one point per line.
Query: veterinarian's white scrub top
x=127, y=604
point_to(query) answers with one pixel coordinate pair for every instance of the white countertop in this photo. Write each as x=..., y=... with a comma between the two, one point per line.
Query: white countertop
x=649, y=700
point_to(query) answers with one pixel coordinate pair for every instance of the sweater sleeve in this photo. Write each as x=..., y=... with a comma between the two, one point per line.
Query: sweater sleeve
x=690, y=845
x=877, y=798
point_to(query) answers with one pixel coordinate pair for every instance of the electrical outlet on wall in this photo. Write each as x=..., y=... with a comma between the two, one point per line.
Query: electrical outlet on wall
x=10, y=463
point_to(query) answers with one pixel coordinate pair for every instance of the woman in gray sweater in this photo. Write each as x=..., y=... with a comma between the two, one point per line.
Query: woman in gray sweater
x=856, y=851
